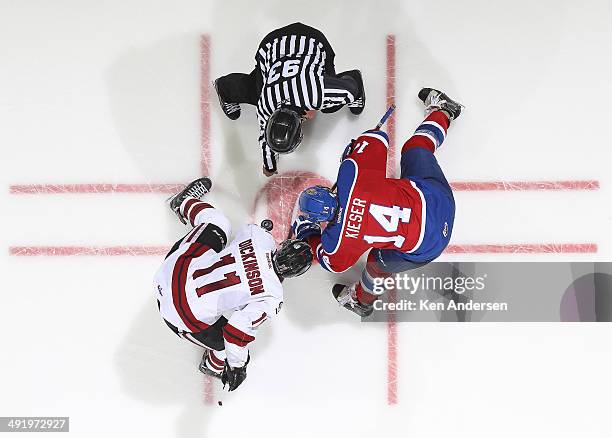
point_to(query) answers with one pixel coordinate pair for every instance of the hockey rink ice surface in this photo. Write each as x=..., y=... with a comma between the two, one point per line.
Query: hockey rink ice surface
x=106, y=109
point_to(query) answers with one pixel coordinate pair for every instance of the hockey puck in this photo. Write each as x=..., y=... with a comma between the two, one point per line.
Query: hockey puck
x=220, y=403
x=267, y=224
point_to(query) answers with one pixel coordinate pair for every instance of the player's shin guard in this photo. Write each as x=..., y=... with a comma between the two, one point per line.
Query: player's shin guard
x=212, y=363
x=210, y=226
x=191, y=208
x=430, y=134
x=370, y=287
x=198, y=212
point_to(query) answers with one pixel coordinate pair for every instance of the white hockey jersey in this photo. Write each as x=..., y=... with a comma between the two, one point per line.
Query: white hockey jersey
x=195, y=286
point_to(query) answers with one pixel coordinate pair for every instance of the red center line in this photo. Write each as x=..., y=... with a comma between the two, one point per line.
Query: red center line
x=510, y=186
x=392, y=172
x=52, y=189
x=523, y=248
x=205, y=104
x=123, y=250
x=390, y=100
x=159, y=250
x=206, y=156
x=458, y=186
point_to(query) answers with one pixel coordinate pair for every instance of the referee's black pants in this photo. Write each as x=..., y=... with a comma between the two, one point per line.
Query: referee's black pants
x=246, y=88
x=240, y=87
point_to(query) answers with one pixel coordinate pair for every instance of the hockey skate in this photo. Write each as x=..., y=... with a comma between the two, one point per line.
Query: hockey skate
x=345, y=295
x=231, y=110
x=204, y=368
x=195, y=189
x=358, y=105
x=437, y=100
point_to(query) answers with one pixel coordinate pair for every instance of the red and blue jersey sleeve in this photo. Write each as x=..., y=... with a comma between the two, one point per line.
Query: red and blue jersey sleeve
x=335, y=249
x=328, y=248
x=369, y=151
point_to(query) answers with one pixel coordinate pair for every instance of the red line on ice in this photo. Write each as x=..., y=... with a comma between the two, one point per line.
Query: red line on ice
x=133, y=250
x=459, y=186
x=205, y=103
x=390, y=86
x=38, y=189
x=391, y=171
x=138, y=250
x=209, y=390
x=525, y=185
x=523, y=248
x=205, y=158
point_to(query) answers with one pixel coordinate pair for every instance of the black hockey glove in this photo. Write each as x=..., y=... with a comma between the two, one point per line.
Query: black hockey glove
x=234, y=376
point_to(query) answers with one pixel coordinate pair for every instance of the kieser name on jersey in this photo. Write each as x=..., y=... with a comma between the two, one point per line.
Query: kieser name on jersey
x=353, y=224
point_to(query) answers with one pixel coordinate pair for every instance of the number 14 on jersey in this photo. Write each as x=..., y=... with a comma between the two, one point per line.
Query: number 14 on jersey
x=389, y=219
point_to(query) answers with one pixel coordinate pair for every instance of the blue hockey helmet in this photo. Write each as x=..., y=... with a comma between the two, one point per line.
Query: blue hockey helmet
x=319, y=203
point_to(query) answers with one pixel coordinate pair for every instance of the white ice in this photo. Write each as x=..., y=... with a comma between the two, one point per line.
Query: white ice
x=110, y=92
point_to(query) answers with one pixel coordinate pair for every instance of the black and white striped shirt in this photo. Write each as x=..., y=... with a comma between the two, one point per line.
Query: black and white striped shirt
x=292, y=69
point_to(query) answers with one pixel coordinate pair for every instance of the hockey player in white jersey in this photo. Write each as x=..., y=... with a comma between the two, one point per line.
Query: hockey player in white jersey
x=202, y=279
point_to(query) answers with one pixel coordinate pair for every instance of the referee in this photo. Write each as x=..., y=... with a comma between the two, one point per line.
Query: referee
x=294, y=76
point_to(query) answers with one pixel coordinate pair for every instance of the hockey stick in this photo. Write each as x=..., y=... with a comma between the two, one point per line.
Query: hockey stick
x=382, y=121
x=384, y=118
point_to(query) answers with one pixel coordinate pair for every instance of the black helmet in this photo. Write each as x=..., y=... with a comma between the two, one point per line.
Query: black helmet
x=284, y=130
x=292, y=258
